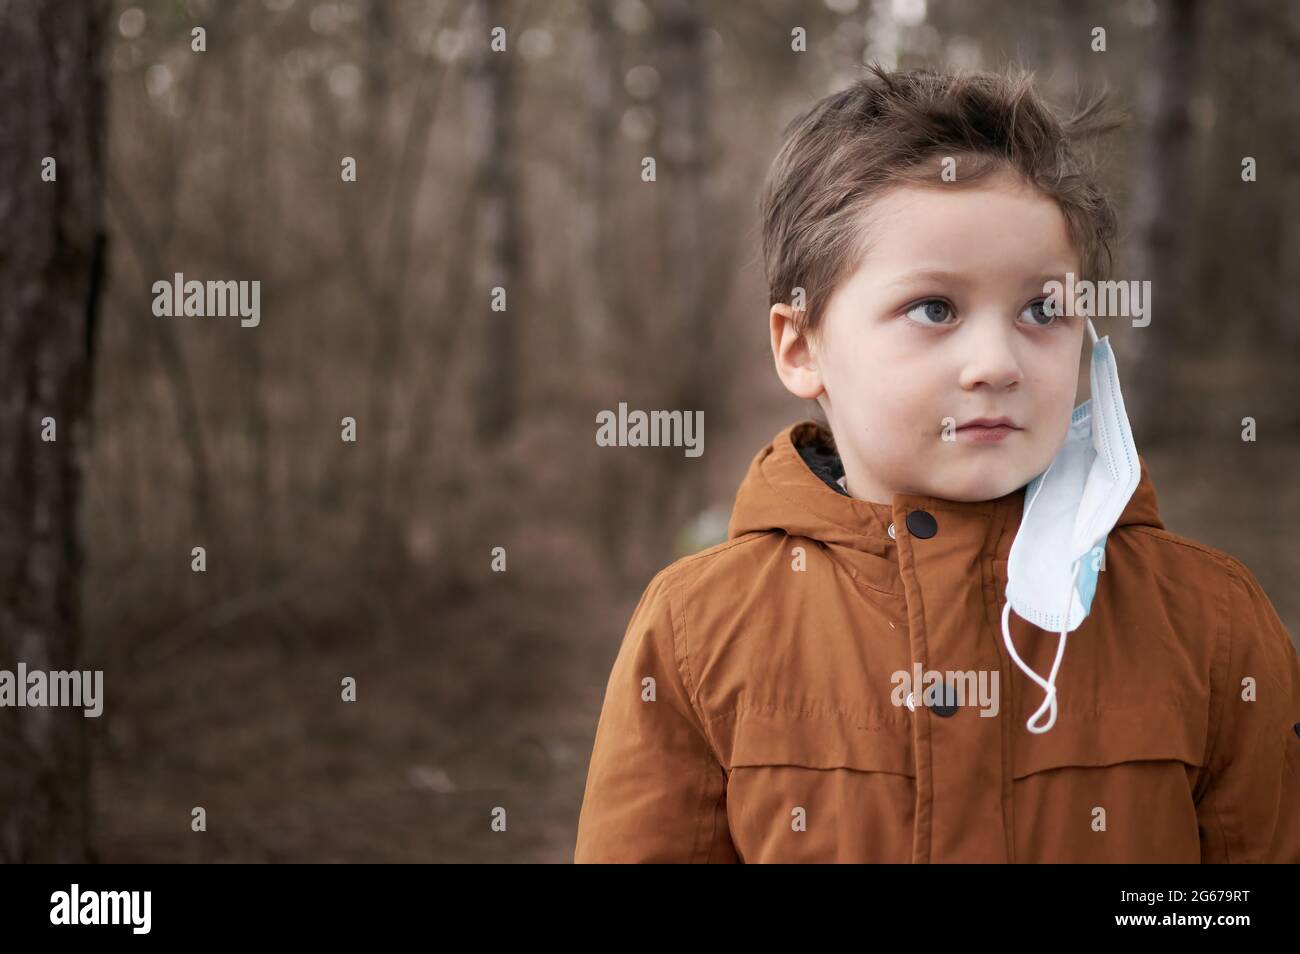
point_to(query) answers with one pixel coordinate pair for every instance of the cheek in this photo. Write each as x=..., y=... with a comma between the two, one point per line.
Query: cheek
x=854, y=374
x=897, y=412
x=890, y=402
x=1056, y=381
x=1056, y=400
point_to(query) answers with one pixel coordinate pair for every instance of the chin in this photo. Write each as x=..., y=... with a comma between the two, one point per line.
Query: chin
x=978, y=487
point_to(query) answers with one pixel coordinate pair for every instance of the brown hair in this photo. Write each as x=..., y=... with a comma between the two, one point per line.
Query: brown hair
x=897, y=127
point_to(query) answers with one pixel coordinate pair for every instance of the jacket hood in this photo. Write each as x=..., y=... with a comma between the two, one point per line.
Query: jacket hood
x=791, y=486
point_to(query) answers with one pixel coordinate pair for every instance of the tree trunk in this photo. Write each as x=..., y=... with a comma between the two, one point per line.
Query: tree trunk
x=488, y=115
x=597, y=334
x=690, y=302
x=1162, y=215
x=1287, y=313
x=51, y=263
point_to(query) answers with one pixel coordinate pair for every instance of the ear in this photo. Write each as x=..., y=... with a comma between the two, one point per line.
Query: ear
x=795, y=357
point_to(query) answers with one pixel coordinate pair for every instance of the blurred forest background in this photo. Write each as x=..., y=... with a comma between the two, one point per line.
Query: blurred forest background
x=475, y=427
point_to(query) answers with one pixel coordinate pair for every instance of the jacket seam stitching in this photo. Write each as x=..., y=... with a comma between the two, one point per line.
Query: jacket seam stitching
x=921, y=731
x=1005, y=741
x=1223, y=831
x=683, y=663
x=748, y=537
x=1218, y=708
x=677, y=596
x=1224, y=560
x=802, y=713
x=756, y=535
x=818, y=514
x=713, y=828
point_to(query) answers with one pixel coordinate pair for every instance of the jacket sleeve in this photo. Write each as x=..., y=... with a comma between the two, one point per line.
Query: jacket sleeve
x=1249, y=806
x=655, y=790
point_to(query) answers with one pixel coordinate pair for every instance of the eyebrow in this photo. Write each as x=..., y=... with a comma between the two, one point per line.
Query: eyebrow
x=928, y=274
x=958, y=278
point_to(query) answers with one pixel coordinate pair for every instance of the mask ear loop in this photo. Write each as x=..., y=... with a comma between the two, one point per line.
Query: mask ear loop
x=1049, y=684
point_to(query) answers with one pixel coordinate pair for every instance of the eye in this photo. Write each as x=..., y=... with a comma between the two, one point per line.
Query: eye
x=1040, y=315
x=931, y=312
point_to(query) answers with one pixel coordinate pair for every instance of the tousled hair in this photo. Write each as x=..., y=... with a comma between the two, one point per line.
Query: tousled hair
x=896, y=127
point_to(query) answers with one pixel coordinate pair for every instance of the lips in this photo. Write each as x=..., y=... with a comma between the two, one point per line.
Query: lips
x=989, y=423
x=988, y=431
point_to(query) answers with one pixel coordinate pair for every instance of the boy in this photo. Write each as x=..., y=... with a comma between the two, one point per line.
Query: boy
x=844, y=678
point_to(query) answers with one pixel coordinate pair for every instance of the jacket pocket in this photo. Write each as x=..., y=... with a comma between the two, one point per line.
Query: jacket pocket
x=818, y=786
x=1115, y=786
x=1141, y=733
x=1104, y=734
x=815, y=740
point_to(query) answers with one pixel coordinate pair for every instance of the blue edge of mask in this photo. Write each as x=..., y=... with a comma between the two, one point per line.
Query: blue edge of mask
x=1086, y=583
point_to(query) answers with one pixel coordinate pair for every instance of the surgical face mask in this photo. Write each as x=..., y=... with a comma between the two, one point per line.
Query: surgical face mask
x=1070, y=509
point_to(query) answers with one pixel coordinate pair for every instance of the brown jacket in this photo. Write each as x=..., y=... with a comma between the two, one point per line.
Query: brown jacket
x=751, y=714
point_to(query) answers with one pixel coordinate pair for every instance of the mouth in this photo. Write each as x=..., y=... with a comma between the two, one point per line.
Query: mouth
x=987, y=430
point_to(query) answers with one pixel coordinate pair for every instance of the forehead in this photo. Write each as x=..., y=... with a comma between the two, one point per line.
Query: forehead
x=998, y=227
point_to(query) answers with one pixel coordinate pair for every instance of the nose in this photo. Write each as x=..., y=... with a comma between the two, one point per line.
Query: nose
x=991, y=359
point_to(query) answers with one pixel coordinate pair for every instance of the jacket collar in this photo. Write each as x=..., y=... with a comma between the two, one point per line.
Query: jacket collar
x=791, y=486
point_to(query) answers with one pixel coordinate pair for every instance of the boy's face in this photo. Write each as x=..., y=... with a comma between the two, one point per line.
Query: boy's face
x=944, y=319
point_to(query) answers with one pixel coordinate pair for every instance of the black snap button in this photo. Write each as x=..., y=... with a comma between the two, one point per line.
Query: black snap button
x=1297, y=728
x=922, y=525
x=947, y=704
